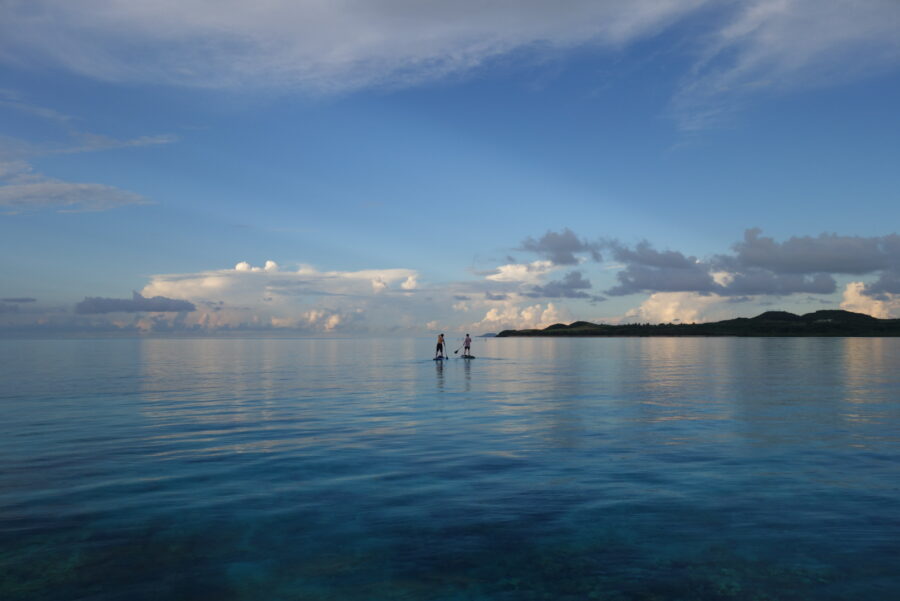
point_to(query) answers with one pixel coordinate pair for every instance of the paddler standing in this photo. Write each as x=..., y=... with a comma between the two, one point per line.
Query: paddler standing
x=439, y=350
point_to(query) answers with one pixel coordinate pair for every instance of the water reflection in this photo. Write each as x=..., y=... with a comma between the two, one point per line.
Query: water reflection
x=439, y=372
x=608, y=468
x=467, y=370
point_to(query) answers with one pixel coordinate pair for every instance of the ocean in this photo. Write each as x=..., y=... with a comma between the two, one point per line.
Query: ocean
x=615, y=469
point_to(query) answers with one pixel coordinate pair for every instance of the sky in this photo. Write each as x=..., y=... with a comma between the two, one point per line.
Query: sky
x=388, y=167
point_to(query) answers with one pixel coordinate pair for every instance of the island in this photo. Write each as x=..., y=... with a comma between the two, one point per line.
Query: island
x=770, y=323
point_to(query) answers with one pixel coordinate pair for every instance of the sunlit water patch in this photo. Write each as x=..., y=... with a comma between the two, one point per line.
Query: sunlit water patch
x=617, y=469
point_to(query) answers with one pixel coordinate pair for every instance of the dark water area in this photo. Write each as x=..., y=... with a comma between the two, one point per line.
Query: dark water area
x=612, y=469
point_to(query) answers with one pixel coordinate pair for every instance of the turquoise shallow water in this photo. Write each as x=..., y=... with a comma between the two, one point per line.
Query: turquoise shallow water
x=616, y=469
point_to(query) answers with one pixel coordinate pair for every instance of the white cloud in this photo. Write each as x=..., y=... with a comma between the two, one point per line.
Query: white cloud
x=306, y=299
x=779, y=45
x=525, y=273
x=70, y=139
x=317, y=44
x=315, y=319
x=22, y=190
x=670, y=307
x=854, y=300
x=510, y=315
x=325, y=46
x=247, y=283
x=64, y=197
x=14, y=169
x=722, y=278
x=90, y=142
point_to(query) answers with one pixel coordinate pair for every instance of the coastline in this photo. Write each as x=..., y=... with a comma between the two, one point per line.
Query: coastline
x=825, y=323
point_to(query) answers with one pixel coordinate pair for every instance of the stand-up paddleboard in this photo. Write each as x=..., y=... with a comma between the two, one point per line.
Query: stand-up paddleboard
x=467, y=356
x=442, y=358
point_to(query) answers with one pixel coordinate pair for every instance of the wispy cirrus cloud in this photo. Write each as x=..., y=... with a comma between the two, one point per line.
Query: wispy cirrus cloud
x=72, y=139
x=90, y=142
x=316, y=46
x=741, y=49
x=22, y=190
x=777, y=46
x=10, y=99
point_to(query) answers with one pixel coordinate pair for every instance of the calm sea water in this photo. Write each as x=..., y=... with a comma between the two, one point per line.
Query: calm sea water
x=612, y=469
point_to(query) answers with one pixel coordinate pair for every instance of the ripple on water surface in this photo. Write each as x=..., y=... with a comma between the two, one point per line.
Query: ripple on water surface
x=619, y=469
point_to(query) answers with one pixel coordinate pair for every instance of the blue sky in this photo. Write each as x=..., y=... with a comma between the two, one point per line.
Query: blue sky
x=412, y=167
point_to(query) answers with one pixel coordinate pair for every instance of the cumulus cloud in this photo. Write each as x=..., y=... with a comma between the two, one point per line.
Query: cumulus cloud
x=855, y=298
x=888, y=283
x=805, y=263
x=378, y=284
x=761, y=265
x=674, y=307
x=245, y=266
x=561, y=248
x=304, y=299
x=637, y=278
x=830, y=253
x=511, y=316
x=649, y=270
x=572, y=285
x=461, y=306
x=679, y=286
x=247, y=284
x=527, y=273
x=644, y=254
x=137, y=303
x=315, y=319
x=760, y=281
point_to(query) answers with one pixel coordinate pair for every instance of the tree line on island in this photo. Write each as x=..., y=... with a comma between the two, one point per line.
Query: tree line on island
x=770, y=323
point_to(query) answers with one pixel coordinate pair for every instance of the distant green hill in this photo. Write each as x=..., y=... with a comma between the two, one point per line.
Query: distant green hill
x=770, y=323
